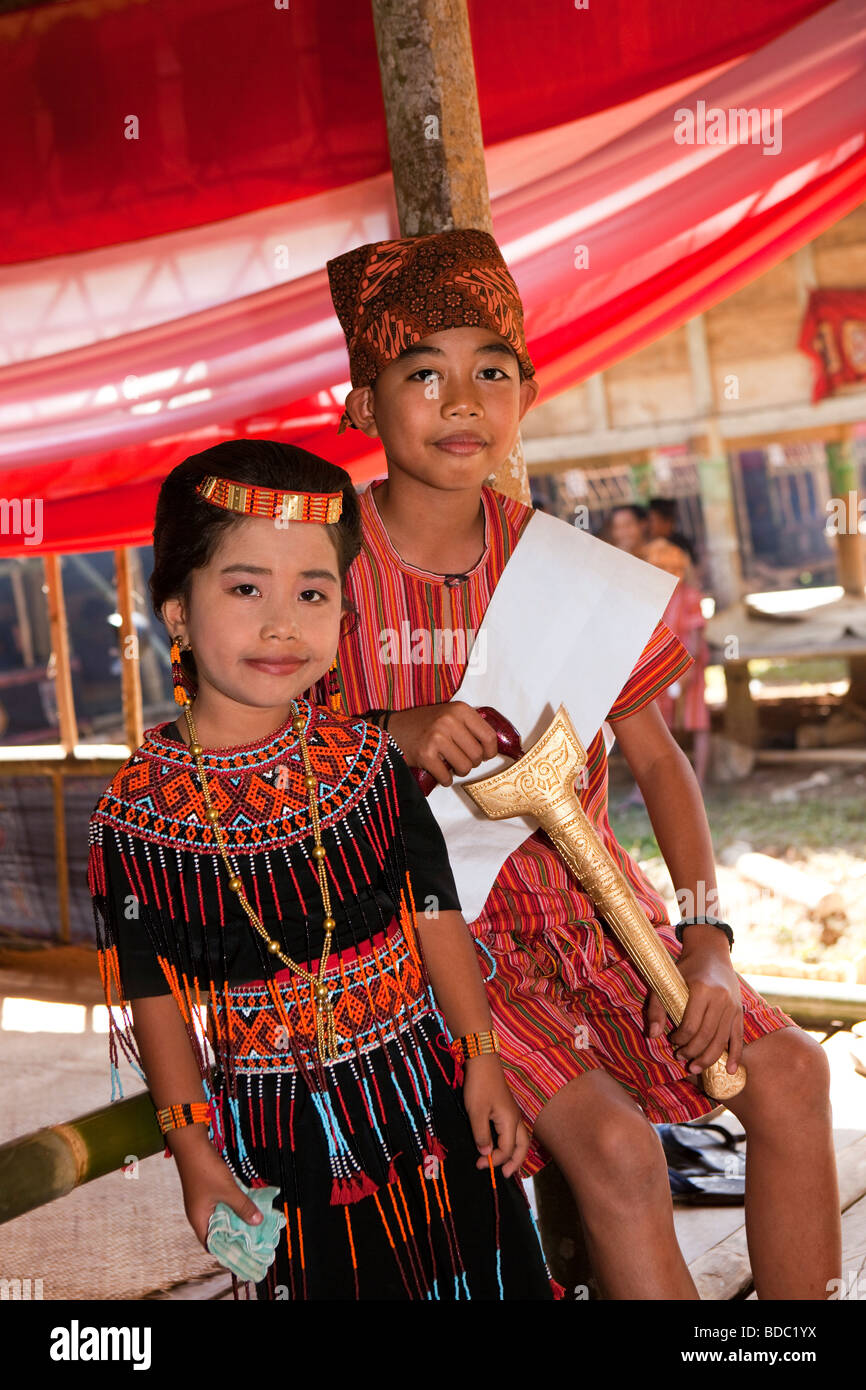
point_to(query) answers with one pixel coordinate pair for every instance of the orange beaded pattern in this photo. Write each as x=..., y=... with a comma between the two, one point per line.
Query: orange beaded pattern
x=475, y=1044
x=321, y=995
x=323, y=507
x=176, y=1116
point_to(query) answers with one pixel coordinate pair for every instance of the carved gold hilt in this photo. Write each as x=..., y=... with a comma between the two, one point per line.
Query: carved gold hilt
x=541, y=784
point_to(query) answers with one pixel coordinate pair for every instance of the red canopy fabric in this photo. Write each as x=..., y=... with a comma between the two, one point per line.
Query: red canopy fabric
x=241, y=105
x=170, y=351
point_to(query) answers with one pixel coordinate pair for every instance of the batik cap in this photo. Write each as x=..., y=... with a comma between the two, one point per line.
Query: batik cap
x=389, y=294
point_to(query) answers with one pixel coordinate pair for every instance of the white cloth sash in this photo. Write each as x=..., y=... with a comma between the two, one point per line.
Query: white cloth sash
x=568, y=619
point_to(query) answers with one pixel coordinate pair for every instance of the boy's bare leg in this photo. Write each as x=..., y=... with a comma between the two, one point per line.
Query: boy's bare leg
x=612, y=1159
x=793, y=1223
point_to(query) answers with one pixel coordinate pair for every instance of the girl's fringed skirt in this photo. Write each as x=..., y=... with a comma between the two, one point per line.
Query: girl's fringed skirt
x=372, y=1152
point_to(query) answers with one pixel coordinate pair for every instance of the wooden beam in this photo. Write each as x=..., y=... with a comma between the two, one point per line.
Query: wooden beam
x=130, y=671
x=807, y=277
x=60, y=656
x=596, y=397
x=434, y=135
x=749, y=428
x=431, y=110
x=699, y=366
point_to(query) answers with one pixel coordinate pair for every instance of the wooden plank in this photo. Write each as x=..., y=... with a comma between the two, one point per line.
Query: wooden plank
x=753, y=429
x=723, y=1271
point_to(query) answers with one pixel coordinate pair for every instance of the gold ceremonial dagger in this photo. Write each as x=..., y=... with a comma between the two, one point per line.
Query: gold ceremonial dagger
x=541, y=784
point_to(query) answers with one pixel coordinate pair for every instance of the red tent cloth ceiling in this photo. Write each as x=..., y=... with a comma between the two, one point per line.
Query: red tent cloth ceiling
x=242, y=106
x=668, y=228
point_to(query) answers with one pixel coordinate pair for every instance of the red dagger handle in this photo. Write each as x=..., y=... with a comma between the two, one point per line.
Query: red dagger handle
x=507, y=738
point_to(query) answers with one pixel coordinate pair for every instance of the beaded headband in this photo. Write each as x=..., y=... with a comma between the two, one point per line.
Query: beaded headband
x=323, y=507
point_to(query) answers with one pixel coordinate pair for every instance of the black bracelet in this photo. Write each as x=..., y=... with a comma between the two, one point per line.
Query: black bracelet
x=387, y=713
x=703, y=922
x=372, y=716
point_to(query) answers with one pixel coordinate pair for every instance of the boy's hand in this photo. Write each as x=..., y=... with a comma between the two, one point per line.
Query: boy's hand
x=489, y=1101
x=713, y=1019
x=206, y=1180
x=444, y=739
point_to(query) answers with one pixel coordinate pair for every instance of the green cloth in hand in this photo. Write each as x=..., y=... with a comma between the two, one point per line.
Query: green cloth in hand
x=248, y=1251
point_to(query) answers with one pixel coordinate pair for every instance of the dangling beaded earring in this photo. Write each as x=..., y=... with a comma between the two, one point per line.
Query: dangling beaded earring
x=332, y=686
x=178, y=675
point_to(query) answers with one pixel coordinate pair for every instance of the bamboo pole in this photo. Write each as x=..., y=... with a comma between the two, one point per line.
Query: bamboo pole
x=39, y=1167
x=427, y=74
x=60, y=652
x=130, y=670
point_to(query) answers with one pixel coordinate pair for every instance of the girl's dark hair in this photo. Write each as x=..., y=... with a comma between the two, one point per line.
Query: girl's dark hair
x=187, y=528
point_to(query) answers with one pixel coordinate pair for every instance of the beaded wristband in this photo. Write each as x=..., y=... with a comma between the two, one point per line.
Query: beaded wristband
x=474, y=1044
x=177, y=1116
x=703, y=922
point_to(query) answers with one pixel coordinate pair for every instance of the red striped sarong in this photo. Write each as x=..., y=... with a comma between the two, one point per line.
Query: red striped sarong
x=557, y=977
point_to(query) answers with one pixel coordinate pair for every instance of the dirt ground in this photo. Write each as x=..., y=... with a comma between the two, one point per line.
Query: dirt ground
x=813, y=818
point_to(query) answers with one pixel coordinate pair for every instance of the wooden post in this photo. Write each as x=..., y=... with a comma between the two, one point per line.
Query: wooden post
x=845, y=488
x=850, y=559
x=150, y=678
x=60, y=653
x=434, y=135
x=717, y=500
x=130, y=674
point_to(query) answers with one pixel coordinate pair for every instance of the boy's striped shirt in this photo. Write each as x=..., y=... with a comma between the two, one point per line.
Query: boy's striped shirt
x=400, y=611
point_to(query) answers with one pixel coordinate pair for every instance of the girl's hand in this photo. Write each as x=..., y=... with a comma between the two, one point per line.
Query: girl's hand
x=713, y=1019
x=489, y=1101
x=206, y=1180
x=443, y=738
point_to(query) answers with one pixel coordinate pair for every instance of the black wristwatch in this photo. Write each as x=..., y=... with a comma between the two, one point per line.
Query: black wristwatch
x=703, y=922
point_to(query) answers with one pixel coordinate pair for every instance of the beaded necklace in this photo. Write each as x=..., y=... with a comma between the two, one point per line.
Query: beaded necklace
x=326, y=1035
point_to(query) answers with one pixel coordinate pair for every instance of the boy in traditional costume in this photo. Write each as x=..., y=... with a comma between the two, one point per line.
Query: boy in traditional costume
x=257, y=866
x=441, y=374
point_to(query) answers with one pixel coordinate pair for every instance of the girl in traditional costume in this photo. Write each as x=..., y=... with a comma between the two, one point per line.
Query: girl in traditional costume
x=274, y=902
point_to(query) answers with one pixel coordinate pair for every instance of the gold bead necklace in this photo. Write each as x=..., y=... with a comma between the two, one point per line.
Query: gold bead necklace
x=326, y=1033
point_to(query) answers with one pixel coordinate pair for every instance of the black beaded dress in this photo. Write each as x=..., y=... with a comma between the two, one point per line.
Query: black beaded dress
x=372, y=1151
